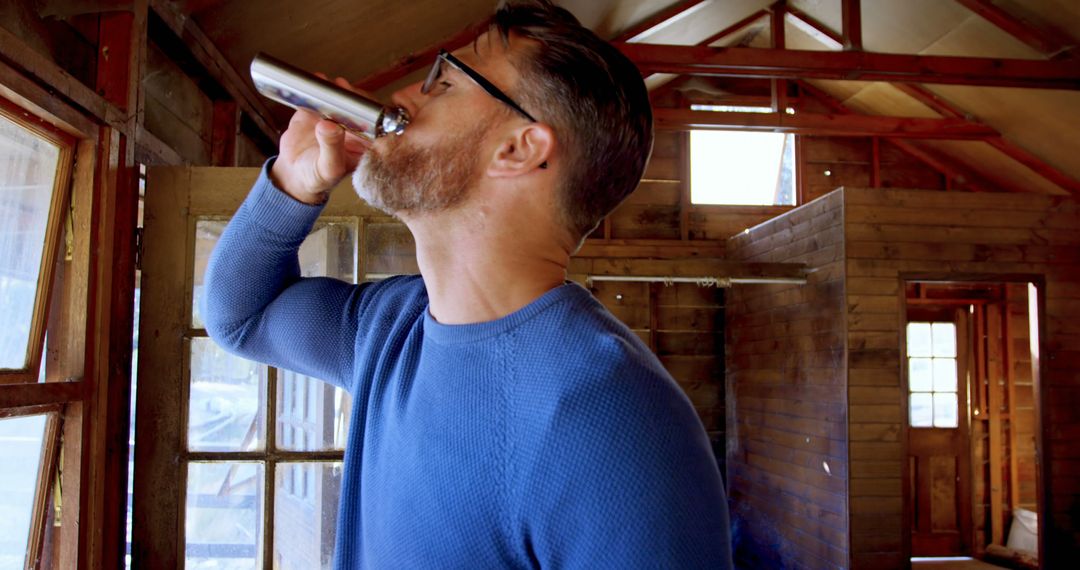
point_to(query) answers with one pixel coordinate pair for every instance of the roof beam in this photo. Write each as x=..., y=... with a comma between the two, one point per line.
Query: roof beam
x=950, y=171
x=737, y=26
x=822, y=124
x=204, y=51
x=1036, y=164
x=851, y=14
x=420, y=59
x=946, y=109
x=1041, y=37
x=661, y=18
x=854, y=66
x=815, y=29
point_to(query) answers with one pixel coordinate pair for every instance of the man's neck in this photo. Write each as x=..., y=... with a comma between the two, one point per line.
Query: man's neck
x=476, y=273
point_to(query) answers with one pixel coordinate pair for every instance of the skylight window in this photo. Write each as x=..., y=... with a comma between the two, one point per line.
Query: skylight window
x=742, y=168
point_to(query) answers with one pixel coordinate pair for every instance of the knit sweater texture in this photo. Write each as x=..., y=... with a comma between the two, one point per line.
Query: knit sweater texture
x=549, y=438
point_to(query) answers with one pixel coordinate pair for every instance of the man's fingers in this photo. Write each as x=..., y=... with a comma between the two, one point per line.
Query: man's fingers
x=331, y=164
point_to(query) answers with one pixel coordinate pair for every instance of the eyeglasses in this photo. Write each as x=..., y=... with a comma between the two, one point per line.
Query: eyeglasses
x=446, y=57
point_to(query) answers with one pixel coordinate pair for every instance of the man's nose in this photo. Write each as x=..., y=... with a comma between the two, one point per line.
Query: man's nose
x=409, y=98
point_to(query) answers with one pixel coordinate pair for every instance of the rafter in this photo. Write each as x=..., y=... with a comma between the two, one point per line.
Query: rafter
x=661, y=18
x=204, y=51
x=420, y=59
x=814, y=28
x=1043, y=38
x=946, y=109
x=737, y=26
x=851, y=14
x=950, y=171
x=855, y=66
x=823, y=124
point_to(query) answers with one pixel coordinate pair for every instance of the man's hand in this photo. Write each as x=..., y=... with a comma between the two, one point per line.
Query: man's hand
x=315, y=155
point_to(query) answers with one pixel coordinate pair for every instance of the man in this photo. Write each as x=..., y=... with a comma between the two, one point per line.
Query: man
x=502, y=417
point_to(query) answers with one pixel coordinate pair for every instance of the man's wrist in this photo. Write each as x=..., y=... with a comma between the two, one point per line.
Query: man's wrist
x=279, y=177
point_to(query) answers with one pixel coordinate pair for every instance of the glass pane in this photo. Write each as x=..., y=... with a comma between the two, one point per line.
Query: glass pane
x=305, y=514
x=922, y=412
x=946, y=411
x=918, y=339
x=920, y=377
x=207, y=233
x=944, y=375
x=944, y=339
x=28, y=166
x=227, y=404
x=329, y=251
x=224, y=520
x=312, y=415
x=741, y=168
x=20, y=442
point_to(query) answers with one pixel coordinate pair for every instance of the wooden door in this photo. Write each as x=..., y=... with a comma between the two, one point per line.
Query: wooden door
x=939, y=505
x=237, y=464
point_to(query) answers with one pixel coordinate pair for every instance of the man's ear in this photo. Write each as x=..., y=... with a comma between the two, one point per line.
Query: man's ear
x=522, y=151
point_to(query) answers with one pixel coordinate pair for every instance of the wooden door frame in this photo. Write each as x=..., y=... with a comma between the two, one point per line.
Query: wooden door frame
x=1042, y=456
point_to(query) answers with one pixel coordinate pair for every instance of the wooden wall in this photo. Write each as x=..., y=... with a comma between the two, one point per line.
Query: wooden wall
x=787, y=403
x=900, y=233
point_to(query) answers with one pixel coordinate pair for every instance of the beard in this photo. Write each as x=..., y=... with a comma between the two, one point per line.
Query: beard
x=413, y=179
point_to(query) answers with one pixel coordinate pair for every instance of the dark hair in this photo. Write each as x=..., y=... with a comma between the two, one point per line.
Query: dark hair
x=595, y=100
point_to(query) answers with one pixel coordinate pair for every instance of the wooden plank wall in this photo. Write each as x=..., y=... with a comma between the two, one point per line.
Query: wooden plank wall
x=1022, y=410
x=786, y=398
x=900, y=233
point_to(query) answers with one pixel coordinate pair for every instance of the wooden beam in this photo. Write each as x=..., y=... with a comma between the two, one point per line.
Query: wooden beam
x=778, y=87
x=420, y=59
x=226, y=128
x=853, y=66
x=210, y=57
x=822, y=124
x=61, y=83
x=1036, y=164
x=952, y=173
x=663, y=17
x=875, y=162
x=1040, y=36
x=34, y=394
x=734, y=27
x=851, y=14
x=814, y=28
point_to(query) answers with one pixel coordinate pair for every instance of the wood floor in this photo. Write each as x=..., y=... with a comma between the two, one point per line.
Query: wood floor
x=971, y=564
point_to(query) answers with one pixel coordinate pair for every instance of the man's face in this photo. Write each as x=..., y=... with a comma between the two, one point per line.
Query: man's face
x=403, y=177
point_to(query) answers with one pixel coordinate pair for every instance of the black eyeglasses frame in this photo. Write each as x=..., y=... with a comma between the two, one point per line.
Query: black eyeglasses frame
x=480, y=80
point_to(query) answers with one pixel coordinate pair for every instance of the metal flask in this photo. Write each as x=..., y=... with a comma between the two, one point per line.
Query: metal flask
x=299, y=89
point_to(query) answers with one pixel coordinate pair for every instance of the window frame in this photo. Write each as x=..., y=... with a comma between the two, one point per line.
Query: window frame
x=59, y=203
x=47, y=464
x=796, y=141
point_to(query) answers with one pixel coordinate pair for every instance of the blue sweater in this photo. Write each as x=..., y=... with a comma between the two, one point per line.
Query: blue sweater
x=549, y=438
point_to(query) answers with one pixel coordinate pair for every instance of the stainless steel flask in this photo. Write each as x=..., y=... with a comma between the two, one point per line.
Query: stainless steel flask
x=298, y=89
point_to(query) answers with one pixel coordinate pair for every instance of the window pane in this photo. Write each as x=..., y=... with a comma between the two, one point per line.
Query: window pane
x=227, y=400
x=946, y=411
x=944, y=375
x=207, y=233
x=223, y=523
x=918, y=339
x=944, y=339
x=920, y=377
x=20, y=456
x=305, y=515
x=313, y=415
x=741, y=168
x=28, y=165
x=922, y=412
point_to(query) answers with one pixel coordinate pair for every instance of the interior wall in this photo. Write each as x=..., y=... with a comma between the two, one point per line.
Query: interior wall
x=787, y=404
x=939, y=235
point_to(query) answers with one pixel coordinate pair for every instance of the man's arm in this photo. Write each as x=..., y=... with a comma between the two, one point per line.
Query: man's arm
x=258, y=306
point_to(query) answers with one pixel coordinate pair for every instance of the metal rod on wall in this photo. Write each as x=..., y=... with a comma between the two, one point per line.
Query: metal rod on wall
x=723, y=282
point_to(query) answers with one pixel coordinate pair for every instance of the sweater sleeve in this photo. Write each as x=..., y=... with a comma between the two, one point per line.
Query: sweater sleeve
x=631, y=481
x=258, y=306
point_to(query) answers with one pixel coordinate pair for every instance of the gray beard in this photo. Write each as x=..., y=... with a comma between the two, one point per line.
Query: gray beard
x=416, y=180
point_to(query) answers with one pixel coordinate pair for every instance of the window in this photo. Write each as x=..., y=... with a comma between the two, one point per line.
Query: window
x=33, y=168
x=932, y=375
x=742, y=168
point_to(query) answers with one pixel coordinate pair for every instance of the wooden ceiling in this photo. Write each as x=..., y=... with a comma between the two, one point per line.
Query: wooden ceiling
x=1038, y=128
